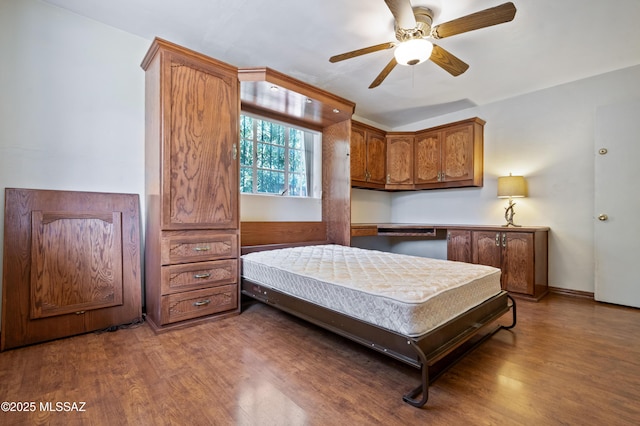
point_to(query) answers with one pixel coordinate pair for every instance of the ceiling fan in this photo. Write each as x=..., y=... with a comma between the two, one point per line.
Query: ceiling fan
x=413, y=29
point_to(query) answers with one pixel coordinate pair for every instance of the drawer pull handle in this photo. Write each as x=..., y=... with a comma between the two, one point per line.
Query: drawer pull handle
x=201, y=275
x=202, y=303
x=201, y=249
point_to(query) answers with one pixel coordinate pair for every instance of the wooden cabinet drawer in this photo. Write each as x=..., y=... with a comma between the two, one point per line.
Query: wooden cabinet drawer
x=186, y=247
x=193, y=276
x=364, y=231
x=198, y=303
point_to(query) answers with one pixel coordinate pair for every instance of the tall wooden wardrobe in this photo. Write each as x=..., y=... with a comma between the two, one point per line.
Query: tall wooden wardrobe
x=192, y=202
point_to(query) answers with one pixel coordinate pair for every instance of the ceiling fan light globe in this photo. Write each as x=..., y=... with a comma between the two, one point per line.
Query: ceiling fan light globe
x=413, y=52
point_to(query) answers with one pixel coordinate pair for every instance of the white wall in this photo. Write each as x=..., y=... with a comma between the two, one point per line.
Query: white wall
x=71, y=102
x=368, y=206
x=547, y=136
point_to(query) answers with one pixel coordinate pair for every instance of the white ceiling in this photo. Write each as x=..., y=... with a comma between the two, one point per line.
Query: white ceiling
x=549, y=42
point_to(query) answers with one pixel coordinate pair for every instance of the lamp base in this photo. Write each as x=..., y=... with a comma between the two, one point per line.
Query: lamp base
x=508, y=214
x=506, y=225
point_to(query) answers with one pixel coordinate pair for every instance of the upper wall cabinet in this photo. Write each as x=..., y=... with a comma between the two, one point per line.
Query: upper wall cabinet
x=368, y=156
x=400, y=161
x=448, y=156
x=270, y=93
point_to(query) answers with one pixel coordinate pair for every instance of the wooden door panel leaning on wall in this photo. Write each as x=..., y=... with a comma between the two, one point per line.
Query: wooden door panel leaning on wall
x=71, y=264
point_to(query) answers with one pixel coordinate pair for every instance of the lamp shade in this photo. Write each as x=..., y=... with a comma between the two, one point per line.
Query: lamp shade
x=413, y=52
x=512, y=186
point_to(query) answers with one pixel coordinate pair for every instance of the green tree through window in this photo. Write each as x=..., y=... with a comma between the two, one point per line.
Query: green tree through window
x=275, y=158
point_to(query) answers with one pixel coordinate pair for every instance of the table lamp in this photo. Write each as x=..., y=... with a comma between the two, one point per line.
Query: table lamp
x=511, y=187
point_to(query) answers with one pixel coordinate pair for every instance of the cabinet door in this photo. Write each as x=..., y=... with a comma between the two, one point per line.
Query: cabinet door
x=400, y=161
x=200, y=168
x=376, y=157
x=427, y=158
x=358, y=155
x=459, y=245
x=457, y=153
x=518, y=262
x=487, y=248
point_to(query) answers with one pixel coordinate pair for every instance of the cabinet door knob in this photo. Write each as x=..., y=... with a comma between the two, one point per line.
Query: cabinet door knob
x=603, y=217
x=498, y=239
x=504, y=240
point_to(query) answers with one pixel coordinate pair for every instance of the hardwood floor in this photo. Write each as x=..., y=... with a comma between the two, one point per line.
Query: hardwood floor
x=568, y=361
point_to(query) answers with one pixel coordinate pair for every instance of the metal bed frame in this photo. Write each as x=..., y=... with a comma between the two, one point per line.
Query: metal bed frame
x=420, y=352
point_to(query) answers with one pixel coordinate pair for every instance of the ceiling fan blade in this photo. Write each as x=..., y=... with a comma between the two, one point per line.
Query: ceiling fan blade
x=402, y=12
x=384, y=73
x=447, y=61
x=363, y=51
x=485, y=18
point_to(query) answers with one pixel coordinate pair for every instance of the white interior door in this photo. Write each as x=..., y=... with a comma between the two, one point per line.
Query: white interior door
x=617, y=204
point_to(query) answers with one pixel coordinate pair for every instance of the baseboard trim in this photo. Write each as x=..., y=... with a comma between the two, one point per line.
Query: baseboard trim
x=572, y=293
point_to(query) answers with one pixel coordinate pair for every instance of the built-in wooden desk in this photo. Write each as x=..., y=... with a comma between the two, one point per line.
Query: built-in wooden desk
x=520, y=252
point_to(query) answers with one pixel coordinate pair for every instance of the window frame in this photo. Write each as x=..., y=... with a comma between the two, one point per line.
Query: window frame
x=316, y=142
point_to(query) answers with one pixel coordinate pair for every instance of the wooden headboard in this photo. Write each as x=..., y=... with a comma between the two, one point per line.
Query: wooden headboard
x=261, y=233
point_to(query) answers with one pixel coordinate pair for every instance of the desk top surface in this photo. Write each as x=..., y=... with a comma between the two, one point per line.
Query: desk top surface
x=399, y=227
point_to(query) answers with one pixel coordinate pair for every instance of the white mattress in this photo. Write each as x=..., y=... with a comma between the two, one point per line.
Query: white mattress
x=406, y=294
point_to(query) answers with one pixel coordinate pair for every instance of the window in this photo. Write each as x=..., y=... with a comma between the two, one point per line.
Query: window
x=277, y=158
